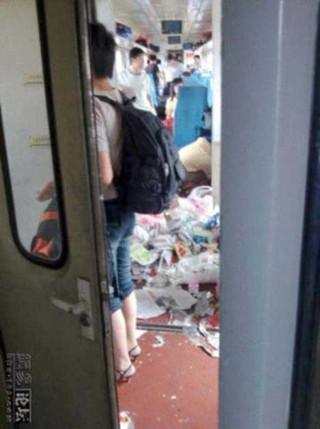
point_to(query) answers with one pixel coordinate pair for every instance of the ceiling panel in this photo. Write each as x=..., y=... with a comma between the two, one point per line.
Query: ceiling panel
x=145, y=16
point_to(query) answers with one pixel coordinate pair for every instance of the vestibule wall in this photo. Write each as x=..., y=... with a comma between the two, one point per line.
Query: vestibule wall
x=268, y=64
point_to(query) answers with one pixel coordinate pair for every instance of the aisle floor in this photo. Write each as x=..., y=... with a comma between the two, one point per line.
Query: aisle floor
x=176, y=385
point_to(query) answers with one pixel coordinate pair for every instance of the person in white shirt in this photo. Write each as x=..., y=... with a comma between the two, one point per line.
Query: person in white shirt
x=134, y=81
x=198, y=68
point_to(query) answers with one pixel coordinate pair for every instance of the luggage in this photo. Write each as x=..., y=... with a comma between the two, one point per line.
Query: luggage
x=151, y=170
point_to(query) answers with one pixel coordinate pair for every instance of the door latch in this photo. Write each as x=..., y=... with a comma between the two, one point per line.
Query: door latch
x=82, y=308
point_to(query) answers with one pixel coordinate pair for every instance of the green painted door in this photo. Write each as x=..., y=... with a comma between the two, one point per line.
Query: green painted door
x=56, y=344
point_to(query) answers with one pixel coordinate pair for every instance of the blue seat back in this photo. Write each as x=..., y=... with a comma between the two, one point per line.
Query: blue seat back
x=207, y=82
x=205, y=79
x=197, y=75
x=192, y=81
x=188, y=119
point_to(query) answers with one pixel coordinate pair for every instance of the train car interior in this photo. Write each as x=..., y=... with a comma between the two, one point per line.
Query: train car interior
x=175, y=254
x=225, y=277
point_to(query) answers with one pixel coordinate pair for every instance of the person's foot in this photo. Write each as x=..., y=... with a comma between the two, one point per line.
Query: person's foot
x=123, y=376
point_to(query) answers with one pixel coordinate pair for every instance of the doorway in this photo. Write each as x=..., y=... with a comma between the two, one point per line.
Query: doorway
x=175, y=256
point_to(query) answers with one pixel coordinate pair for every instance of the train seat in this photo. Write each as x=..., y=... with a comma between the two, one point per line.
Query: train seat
x=205, y=79
x=191, y=105
x=192, y=81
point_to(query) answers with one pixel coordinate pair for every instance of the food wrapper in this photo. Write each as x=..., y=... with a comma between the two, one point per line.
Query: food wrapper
x=142, y=255
x=201, y=235
x=182, y=250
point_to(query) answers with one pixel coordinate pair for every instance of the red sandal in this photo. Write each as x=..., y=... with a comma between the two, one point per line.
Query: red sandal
x=124, y=376
x=134, y=352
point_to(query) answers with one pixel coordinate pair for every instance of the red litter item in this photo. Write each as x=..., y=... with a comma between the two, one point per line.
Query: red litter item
x=214, y=320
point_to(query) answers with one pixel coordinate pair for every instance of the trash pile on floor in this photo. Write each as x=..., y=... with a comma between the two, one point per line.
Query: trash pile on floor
x=172, y=254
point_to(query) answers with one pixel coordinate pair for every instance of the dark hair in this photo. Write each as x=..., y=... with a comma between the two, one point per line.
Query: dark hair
x=176, y=81
x=135, y=52
x=102, y=51
x=197, y=56
x=170, y=57
x=152, y=57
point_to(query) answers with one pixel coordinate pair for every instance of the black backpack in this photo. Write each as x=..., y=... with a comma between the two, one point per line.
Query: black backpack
x=151, y=170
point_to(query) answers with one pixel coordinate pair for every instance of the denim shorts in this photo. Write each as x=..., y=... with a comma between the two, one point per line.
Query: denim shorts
x=119, y=228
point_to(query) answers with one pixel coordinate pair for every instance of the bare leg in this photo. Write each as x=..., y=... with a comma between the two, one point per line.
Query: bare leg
x=120, y=345
x=130, y=314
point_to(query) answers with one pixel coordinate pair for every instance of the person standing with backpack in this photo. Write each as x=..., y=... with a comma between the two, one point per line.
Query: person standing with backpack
x=119, y=222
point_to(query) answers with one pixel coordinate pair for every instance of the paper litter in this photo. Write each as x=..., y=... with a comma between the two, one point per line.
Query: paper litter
x=146, y=306
x=160, y=342
x=172, y=255
x=179, y=298
x=125, y=420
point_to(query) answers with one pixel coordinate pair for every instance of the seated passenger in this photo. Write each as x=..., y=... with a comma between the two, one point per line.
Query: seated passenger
x=47, y=241
x=134, y=81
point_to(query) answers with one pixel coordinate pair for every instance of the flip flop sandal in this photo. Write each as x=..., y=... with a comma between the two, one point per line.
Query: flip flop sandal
x=134, y=352
x=124, y=376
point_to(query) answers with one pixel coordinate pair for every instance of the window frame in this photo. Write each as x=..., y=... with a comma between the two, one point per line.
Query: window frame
x=45, y=61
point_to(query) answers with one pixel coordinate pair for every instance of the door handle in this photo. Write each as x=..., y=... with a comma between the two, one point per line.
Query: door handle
x=79, y=309
x=82, y=309
x=76, y=309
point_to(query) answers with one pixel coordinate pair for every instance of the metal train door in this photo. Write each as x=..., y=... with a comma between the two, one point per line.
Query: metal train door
x=55, y=342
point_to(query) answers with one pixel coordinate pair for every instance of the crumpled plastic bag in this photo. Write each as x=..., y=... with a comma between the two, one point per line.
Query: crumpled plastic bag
x=161, y=279
x=181, y=212
x=152, y=222
x=140, y=235
x=203, y=200
x=162, y=242
x=202, y=268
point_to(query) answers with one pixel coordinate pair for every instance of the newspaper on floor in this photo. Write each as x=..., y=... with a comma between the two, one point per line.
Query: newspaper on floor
x=160, y=341
x=146, y=306
x=179, y=299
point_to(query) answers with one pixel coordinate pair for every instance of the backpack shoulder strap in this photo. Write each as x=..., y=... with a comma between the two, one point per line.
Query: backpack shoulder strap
x=125, y=101
x=108, y=100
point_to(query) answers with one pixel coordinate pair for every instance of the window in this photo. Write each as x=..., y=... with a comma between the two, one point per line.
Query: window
x=27, y=135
